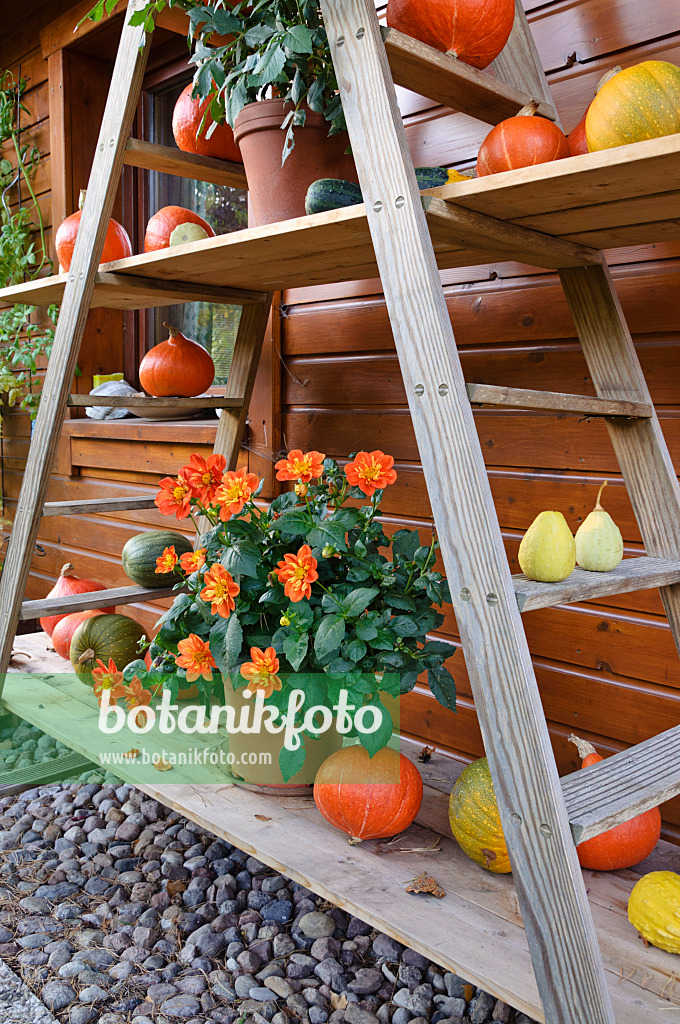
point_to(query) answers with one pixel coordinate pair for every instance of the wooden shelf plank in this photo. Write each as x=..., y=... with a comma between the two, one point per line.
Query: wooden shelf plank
x=521, y=398
x=475, y=930
x=148, y=402
x=623, y=785
x=77, y=508
x=96, y=599
x=448, y=81
x=169, y=160
x=631, y=574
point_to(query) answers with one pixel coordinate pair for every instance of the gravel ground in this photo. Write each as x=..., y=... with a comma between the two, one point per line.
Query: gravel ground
x=18, y=1005
x=114, y=909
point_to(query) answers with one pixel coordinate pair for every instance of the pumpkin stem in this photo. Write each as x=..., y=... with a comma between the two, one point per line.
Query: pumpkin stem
x=529, y=110
x=87, y=655
x=584, y=748
x=608, y=77
x=81, y=198
x=355, y=840
x=598, y=507
x=67, y=570
x=174, y=332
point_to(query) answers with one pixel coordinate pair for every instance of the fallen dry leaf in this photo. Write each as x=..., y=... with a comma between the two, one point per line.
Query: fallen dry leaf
x=262, y=817
x=425, y=883
x=338, y=1000
x=131, y=754
x=426, y=754
x=162, y=766
x=175, y=886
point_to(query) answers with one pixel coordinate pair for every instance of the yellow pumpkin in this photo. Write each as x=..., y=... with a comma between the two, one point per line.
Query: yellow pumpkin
x=475, y=821
x=654, y=909
x=642, y=102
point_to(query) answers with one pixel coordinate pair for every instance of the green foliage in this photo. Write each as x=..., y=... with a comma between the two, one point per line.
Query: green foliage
x=272, y=43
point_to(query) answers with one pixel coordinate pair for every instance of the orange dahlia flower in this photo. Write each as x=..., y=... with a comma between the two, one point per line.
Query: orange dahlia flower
x=195, y=657
x=220, y=590
x=175, y=496
x=192, y=560
x=297, y=466
x=235, y=491
x=108, y=678
x=167, y=561
x=136, y=696
x=205, y=475
x=297, y=573
x=261, y=671
x=371, y=471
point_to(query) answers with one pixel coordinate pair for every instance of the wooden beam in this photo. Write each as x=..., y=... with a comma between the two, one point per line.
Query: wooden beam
x=629, y=575
x=521, y=398
x=168, y=160
x=126, y=291
x=142, y=402
x=519, y=63
x=96, y=505
x=95, y=599
x=624, y=785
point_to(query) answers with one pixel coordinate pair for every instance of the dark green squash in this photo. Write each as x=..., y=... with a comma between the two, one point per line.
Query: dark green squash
x=140, y=554
x=101, y=638
x=331, y=194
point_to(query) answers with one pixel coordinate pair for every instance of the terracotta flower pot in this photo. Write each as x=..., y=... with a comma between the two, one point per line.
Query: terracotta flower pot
x=278, y=192
x=267, y=777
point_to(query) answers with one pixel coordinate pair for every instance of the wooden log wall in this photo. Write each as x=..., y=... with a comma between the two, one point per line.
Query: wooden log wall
x=607, y=669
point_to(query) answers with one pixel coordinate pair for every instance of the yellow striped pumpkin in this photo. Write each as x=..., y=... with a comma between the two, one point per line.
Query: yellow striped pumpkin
x=642, y=102
x=474, y=818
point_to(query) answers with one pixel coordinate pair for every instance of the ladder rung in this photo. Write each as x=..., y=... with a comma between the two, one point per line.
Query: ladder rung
x=618, y=788
x=128, y=291
x=146, y=402
x=168, y=160
x=631, y=574
x=76, y=508
x=519, y=398
x=95, y=599
x=448, y=81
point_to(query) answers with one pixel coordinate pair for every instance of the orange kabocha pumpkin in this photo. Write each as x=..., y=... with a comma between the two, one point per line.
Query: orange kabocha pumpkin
x=68, y=583
x=186, y=122
x=625, y=844
x=62, y=633
x=368, y=797
x=578, y=144
x=177, y=367
x=642, y=102
x=117, y=244
x=173, y=225
x=474, y=31
x=521, y=141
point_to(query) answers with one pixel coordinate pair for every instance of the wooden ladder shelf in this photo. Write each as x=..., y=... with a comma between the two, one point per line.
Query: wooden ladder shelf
x=556, y=216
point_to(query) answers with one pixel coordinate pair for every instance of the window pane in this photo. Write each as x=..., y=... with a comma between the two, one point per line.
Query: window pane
x=225, y=209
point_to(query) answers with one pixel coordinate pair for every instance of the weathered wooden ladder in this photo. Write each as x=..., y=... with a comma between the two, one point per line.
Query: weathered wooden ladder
x=542, y=816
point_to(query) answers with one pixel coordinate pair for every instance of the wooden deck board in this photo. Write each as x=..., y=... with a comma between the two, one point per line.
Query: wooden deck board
x=629, y=575
x=475, y=930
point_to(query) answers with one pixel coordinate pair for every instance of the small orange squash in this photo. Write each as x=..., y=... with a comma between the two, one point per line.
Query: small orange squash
x=474, y=818
x=117, y=245
x=625, y=844
x=578, y=144
x=176, y=367
x=638, y=103
x=521, y=141
x=173, y=225
x=68, y=583
x=368, y=797
x=186, y=123
x=66, y=627
x=474, y=31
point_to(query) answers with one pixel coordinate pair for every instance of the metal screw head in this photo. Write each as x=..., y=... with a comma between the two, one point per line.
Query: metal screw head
x=491, y=599
x=443, y=390
x=377, y=206
x=516, y=818
x=361, y=32
x=419, y=389
x=545, y=830
x=465, y=594
x=341, y=40
x=399, y=202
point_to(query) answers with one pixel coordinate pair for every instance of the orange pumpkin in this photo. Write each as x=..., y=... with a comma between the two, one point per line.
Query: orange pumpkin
x=117, y=245
x=642, y=102
x=576, y=138
x=521, y=141
x=186, y=124
x=173, y=225
x=177, y=367
x=66, y=627
x=625, y=844
x=368, y=797
x=474, y=31
x=68, y=583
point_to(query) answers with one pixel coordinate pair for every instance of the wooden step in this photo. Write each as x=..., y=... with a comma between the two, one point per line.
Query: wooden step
x=631, y=574
x=143, y=402
x=519, y=398
x=446, y=80
x=169, y=160
x=624, y=785
x=77, y=508
x=96, y=599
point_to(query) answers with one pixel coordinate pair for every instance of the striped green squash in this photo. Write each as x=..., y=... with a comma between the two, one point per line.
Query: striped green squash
x=140, y=554
x=102, y=638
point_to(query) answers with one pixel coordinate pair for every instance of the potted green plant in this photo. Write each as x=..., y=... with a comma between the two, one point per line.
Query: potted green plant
x=267, y=69
x=307, y=595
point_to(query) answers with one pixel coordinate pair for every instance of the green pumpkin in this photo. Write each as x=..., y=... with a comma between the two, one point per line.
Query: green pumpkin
x=102, y=638
x=140, y=554
x=474, y=818
x=331, y=194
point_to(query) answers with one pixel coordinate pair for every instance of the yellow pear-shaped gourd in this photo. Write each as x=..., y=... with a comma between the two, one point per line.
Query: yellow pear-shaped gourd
x=654, y=909
x=547, y=552
x=599, y=544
